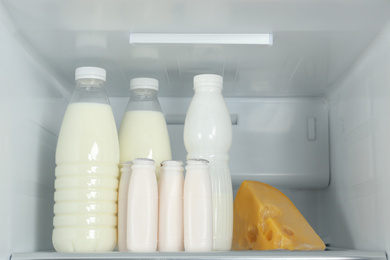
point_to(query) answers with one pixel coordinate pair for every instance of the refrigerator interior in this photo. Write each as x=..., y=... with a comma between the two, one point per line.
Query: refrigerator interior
x=309, y=112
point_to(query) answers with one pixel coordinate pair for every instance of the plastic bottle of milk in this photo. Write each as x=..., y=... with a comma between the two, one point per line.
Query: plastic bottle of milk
x=142, y=207
x=87, y=158
x=122, y=205
x=198, y=207
x=143, y=132
x=170, y=196
x=208, y=135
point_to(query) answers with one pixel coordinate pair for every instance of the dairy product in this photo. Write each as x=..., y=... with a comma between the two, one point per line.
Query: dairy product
x=122, y=205
x=86, y=180
x=170, y=235
x=143, y=134
x=265, y=219
x=88, y=133
x=87, y=157
x=142, y=207
x=198, y=225
x=208, y=135
x=224, y=204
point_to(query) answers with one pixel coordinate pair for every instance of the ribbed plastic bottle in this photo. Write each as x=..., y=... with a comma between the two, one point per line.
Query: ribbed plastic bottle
x=143, y=132
x=122, y=205
x=87, y=158
x=198, y=207
x=208, y=135
x=170, y=198
x=142, y=207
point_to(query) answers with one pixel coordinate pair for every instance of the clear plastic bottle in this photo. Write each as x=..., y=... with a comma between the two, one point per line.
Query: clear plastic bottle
x=122, y=205
x=208, y=135
x=87, y=158
x=170, y=197
x=143, y=132
x=198, y=207
x=142, y=207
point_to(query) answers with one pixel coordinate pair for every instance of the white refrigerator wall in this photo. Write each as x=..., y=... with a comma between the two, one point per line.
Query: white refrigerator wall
x=353, y=212
x=31, y=110
x=355, y=209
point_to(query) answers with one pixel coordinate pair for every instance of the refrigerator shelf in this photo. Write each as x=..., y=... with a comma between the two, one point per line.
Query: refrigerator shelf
x=329, y=254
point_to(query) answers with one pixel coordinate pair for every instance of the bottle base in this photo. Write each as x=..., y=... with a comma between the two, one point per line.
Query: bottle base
x=84, y=240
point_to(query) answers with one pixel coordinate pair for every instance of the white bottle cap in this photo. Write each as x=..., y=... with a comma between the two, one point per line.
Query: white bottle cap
x=90, y=73
x=145, y=83
x=208, y=80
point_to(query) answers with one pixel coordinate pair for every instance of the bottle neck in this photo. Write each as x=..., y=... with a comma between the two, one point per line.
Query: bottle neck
x=144, y=94
x=144, y=99
x=90, y=84
x=90, y=91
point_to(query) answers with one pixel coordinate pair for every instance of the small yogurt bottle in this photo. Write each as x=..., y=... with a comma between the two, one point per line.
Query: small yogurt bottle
x=142, y=207
x=198, y=207
x=122, y=205
x=170, y=191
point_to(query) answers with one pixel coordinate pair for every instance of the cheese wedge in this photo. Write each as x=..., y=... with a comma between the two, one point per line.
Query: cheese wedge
x=265, y=219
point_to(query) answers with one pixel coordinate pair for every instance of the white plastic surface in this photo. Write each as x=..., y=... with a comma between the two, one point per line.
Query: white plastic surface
x=332, y=254
x=314, y=41
x=210, y=38
x=355, y=209
x=208, y=80
x=147, y=83
x=90, y=73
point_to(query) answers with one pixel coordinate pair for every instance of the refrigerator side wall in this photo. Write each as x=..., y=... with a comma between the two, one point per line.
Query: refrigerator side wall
x=355, y=208
x=31, y=111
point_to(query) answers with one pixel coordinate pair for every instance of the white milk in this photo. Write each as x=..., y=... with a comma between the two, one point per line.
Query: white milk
x=208, y=135
x=142, y=207
x=122, y=206
x=86, y=184
x=223, y=237
x=198, y=208
x=144, y=134
x=170, y=190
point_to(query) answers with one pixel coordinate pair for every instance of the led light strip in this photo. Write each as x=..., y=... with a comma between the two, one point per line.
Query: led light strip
x=203, y=38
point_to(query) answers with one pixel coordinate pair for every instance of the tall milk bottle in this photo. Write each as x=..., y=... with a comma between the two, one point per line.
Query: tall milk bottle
x=143, y=132
x=208, y=135
x=87, y=158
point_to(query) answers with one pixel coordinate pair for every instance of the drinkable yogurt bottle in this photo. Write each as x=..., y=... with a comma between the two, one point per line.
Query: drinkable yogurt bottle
x=143, y=132
x=170, y=196
x=198, y=207
x=208, y=135
x=122, y=205
x=142, y=207
x=87, y=158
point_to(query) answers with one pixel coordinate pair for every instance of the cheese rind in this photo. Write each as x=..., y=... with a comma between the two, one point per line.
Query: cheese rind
x=265, y=219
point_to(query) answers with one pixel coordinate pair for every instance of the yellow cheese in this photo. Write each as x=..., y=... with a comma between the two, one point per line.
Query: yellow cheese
x=265, y=219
